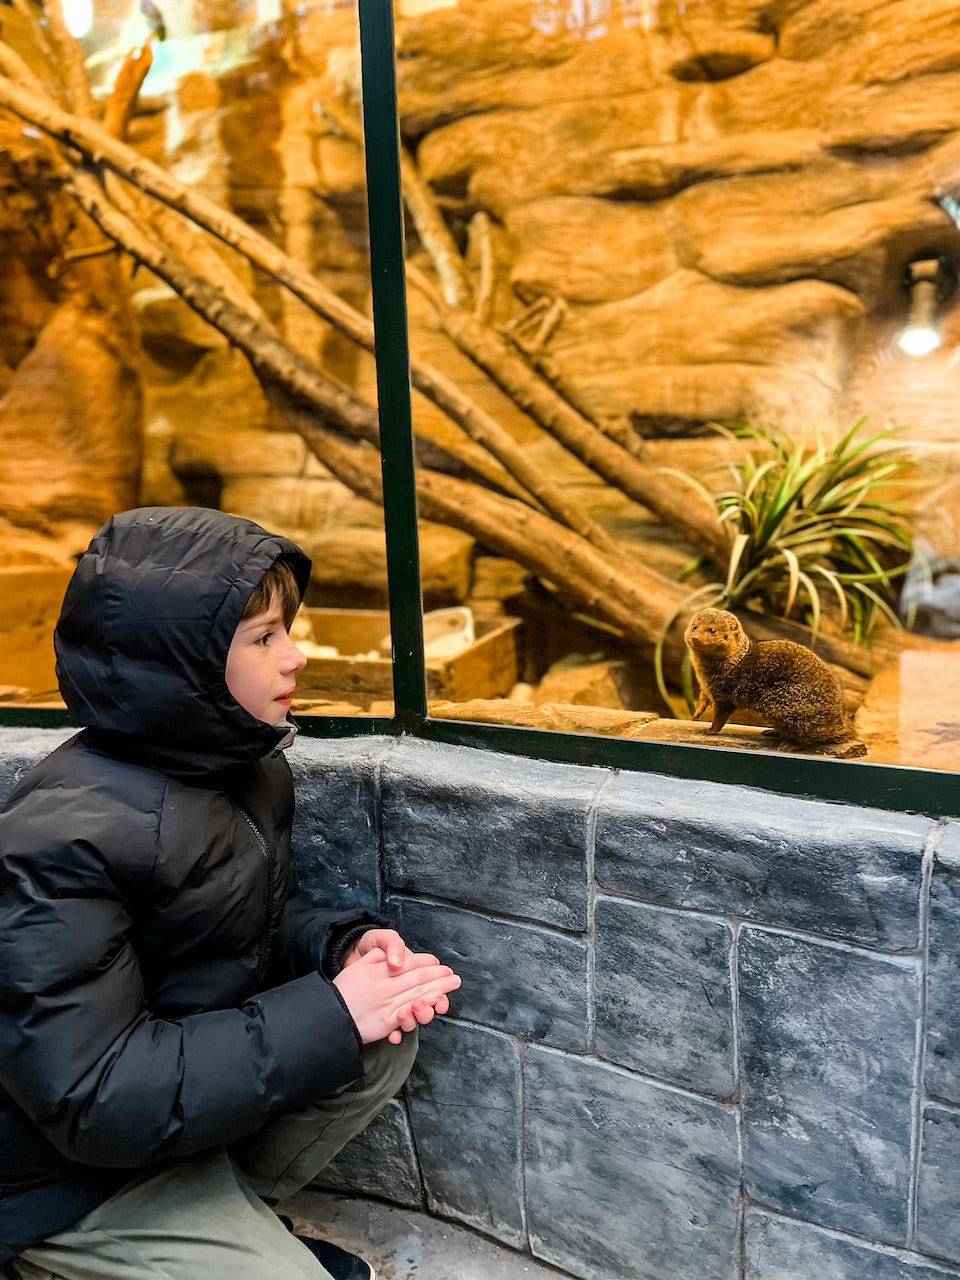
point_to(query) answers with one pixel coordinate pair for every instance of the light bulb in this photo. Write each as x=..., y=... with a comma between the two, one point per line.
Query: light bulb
x=918, y=340
x=78, y=15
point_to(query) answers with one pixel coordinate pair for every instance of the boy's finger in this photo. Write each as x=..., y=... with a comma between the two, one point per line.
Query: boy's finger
x=395, y=947
x=421, y=976
x=430, y=990
x=422, y=1010
x=407, y=1018
x=442, y=1005
x=395, y=1037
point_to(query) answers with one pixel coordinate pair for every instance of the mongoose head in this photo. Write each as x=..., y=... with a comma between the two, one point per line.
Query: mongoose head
x=715, y=633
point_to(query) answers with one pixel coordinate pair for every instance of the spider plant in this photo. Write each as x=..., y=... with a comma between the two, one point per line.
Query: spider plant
x=813, y=527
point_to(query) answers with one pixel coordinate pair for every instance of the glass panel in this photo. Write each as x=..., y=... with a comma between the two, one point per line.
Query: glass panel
x=117, y=394
x=667, y=254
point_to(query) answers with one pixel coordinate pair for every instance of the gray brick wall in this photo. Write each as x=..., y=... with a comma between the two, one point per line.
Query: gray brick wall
x=706, y=1033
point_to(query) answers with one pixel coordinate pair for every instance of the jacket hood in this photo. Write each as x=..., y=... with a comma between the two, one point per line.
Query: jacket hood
x=146, y=624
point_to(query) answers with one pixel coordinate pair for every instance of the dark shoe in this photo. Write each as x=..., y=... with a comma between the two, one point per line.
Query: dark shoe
x=340, y=1264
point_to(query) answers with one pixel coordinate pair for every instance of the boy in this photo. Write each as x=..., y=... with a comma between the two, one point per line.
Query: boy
x=184, y=1040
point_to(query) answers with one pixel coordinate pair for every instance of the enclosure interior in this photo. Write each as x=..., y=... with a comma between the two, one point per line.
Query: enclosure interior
x=662, y=259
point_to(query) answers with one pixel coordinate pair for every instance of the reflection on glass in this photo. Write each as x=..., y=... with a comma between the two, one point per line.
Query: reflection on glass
x=692, y=269
x=115, y=392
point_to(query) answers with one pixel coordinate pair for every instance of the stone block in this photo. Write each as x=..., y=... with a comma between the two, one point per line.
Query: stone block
x=223, y=451
x=463, y=1097
x=942, y=1070
x=22, y=750
x=625, y=248
x=828, y=1051
x=938, y=1204
x=664, y=995
x=335, y=840
x=782, y=1249
x=613, y=354
x=492, y=831
x=516, y=977
x=611, y=683
x=379, y=1162
x=354, y=558
x=287, y=501
x=849, y=873
x=626, y=1180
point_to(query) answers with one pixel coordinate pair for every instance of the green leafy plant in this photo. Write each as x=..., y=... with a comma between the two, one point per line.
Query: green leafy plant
x=814, y=528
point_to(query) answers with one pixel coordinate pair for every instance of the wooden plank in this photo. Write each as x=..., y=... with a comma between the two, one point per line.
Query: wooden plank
x=485, y=670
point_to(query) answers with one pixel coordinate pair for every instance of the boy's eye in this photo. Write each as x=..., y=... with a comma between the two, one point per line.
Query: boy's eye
x=264, y=638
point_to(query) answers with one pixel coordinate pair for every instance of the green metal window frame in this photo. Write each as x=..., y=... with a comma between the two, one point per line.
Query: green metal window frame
x=879, y=786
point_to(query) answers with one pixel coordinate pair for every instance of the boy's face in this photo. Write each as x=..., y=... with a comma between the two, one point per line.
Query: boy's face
x=261, y=666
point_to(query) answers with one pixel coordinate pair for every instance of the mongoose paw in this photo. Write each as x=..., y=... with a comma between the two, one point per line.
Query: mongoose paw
x=852, y=749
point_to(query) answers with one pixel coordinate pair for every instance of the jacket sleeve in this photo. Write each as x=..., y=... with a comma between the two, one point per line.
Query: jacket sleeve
x=110, y=1085
x=311, y=938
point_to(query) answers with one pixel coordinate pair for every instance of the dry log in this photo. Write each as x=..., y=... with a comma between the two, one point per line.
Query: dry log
x=98, y=147
x=679, y=506
x=631, y=597
x=433, y=231
x=126, y=90
x=13, y=66
x=194, y=250
x=270, y=357
x=480, y=233
x=434, y=234
x=634, y=599
x=32, y=22
x=235, y=233
x=71, y=59
x=455, y=283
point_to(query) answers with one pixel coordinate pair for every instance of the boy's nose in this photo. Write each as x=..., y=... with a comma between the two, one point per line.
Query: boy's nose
x=293, y=659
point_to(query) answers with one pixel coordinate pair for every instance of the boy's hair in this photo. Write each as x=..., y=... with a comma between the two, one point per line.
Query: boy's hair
x=278, y=585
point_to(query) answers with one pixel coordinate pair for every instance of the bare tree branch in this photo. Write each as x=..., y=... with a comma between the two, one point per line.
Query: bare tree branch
x=676, y=505
x=480, y=232
x=272, y=359
x=71, y=59
x=103, y=150
x=433, y=231
x=637, y=601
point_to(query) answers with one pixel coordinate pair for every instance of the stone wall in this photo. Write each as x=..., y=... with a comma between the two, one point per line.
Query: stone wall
x=704, y=1031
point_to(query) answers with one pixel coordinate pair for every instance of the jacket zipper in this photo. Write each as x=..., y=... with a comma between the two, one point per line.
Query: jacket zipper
x=268, y=858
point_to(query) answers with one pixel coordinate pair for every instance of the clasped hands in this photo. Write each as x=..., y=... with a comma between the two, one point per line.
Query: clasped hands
x=390, y=989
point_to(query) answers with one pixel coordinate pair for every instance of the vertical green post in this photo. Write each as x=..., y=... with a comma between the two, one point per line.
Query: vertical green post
x=382, y=153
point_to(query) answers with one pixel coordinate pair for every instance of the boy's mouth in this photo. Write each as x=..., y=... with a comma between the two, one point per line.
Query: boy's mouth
x=285, y=697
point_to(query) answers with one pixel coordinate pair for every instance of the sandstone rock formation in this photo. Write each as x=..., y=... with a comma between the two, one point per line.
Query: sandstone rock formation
x=70, y=412
x=789, y=144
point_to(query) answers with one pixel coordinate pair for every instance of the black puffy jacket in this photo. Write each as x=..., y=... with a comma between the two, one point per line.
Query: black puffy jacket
x=162, y=987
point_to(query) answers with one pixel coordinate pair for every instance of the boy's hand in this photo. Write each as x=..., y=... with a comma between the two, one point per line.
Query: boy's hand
x=385, y=1002
x=399, y=956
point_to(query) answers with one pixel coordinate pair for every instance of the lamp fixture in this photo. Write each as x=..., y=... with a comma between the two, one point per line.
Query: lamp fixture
x=78, y=15
x=928, y=280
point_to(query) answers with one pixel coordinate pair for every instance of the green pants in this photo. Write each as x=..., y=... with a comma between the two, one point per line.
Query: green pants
x=203, y=1218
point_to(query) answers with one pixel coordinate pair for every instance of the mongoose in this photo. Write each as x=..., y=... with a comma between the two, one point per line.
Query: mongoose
x=786, y=683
